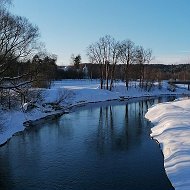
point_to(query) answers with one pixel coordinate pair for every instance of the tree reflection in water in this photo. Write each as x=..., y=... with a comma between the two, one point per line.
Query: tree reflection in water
x=120, y=127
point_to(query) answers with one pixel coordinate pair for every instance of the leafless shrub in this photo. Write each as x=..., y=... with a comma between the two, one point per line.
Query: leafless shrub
x=64, y=96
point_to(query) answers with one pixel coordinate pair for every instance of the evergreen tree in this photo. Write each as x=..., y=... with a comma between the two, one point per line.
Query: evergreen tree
x=77, y=61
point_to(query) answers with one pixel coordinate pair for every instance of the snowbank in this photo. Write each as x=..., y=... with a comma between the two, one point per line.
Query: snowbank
x=172, y=130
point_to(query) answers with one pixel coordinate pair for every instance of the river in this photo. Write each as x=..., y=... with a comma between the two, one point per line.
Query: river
x=97, y=147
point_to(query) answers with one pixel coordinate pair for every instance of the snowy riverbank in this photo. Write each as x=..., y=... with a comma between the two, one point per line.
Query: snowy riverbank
x=67, y=93
x=172, y=130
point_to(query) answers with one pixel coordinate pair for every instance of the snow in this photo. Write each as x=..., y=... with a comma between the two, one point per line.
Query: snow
x=25, y=106
x=171, y=120
x=12, y=122
x=172, y=130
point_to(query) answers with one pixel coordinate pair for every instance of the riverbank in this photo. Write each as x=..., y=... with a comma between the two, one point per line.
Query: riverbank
x=172, y=130
x=68, y=93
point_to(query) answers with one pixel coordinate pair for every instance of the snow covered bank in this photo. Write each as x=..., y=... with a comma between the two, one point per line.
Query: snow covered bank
x=12, y=121
x=67, y=93
x=172, y=130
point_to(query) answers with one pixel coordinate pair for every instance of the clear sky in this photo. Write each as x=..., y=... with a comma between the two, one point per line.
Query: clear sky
x=69, y=26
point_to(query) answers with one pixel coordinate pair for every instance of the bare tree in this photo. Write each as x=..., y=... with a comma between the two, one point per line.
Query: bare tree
x=142, y=56
x=94, y=52
x=18, y=39
x=106, y=53
x=4, y=3
x=114, y=58
x=127, y=57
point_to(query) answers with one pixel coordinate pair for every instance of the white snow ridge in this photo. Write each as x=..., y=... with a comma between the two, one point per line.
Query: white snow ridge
x=172, y=130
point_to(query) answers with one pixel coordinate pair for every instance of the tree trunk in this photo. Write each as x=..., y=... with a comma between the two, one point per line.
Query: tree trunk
x=101, y=76
x=127, y=75
x=107, y=76
x=112, y=77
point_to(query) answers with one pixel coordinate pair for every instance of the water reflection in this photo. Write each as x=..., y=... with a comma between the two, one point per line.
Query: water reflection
x=119, y=127
x=104, y=147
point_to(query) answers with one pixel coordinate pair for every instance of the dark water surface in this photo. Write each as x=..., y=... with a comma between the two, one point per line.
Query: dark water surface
x=100, y=147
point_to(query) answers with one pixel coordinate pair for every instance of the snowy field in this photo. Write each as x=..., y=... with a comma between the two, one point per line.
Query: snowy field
x=172, y=120
x=172, y=130
x=89, y=91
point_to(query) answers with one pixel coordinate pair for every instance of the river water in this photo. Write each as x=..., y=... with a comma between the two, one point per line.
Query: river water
x=97, y=147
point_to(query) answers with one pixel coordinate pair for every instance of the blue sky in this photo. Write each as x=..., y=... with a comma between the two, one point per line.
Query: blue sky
x=69, y=26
